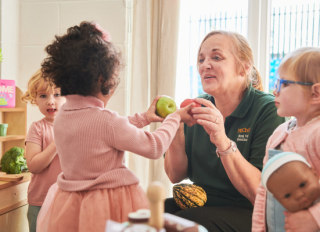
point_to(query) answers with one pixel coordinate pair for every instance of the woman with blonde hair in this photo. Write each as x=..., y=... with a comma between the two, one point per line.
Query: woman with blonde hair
x=223, y=151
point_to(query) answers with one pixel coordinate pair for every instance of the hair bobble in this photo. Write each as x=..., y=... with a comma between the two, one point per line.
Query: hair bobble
x=105, y=35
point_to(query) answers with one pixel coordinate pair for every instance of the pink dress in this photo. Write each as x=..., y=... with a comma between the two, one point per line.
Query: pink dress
x=95, y=185
x=41, y=133
x=302, y=140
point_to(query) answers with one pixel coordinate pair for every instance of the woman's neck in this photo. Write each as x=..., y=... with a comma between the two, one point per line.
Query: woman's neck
x=228, y=102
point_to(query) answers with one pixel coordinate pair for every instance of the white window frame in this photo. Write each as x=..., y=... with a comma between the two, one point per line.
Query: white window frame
x=259, y=36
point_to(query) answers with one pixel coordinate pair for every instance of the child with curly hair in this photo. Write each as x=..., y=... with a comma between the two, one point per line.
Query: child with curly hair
x=297, y=95
x=41, y=154
x=95, y=185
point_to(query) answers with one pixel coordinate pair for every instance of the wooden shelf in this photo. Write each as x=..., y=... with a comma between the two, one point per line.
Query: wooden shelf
x=11, y=138
x=13, y=194
x=6, y=184
x=16, y=118
x=17, y=109
x=13, y=207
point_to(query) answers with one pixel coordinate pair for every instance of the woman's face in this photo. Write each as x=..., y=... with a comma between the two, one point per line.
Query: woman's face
x=217, y=65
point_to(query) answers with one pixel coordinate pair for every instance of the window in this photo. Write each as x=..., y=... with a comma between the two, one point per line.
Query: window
x=197, y=18
x=293, y=24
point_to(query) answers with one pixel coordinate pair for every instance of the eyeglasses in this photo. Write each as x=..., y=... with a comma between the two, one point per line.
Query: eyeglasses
x=279, y=82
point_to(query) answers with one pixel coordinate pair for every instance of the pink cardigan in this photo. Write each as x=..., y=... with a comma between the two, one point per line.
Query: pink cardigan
x=303, y=140
x=91, y=141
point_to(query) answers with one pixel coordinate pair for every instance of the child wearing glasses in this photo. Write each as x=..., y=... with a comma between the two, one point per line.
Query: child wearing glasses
x=297, y=95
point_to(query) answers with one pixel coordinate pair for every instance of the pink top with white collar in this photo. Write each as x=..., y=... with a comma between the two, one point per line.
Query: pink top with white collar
x=91, y=141
x=302, y=140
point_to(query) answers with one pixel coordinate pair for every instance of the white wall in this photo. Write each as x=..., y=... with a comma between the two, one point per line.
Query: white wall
x=27, y=26
x=9, y=39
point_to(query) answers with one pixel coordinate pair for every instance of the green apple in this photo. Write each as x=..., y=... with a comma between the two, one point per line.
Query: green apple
x=165, y=105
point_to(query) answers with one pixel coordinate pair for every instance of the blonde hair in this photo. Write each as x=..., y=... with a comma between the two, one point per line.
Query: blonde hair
x=303, y=63
x=243, y=55
x=36, y=83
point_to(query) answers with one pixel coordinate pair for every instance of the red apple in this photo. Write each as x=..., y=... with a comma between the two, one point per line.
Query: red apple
x=188, y=102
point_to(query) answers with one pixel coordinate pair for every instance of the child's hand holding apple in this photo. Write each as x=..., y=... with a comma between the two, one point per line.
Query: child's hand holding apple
x=151, y=113
x=185, y=115
x=165, y=105
x=188, y=104
x=188, y=101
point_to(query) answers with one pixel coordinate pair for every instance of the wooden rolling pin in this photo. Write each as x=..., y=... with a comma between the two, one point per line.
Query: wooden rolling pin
x=156, y=198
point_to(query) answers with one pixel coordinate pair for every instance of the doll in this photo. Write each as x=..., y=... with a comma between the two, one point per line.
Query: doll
x=291, y=180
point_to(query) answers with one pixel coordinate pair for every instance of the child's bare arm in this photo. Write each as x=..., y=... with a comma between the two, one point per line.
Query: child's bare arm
x=38, y=160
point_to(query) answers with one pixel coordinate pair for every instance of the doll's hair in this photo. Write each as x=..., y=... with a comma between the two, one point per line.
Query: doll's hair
x=243, y=55
x=35, y=84
x=303, y=64
x=277, y=162
x=83, y=61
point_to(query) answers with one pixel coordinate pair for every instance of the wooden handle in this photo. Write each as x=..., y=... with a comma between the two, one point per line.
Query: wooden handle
x=156, y=197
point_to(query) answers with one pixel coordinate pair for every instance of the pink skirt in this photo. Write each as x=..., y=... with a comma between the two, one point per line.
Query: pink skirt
x=88, y=210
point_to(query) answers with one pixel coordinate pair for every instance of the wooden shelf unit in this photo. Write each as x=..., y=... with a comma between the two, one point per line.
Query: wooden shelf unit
x=16, y=118
x=13, y=195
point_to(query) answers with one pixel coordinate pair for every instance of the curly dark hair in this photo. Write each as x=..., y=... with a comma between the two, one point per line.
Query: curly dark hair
x=82, y=61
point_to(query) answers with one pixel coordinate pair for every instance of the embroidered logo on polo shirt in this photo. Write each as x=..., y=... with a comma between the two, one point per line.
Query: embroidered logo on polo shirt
x=243, y=134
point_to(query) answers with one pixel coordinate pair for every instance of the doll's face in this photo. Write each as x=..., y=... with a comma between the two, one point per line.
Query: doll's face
x=294, y=185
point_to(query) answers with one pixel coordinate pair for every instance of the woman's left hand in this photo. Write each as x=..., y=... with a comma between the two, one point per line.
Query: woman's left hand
x=212, y=121
x=300, y=221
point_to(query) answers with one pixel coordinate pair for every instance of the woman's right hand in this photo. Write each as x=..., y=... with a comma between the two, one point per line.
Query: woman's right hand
x=243, y=175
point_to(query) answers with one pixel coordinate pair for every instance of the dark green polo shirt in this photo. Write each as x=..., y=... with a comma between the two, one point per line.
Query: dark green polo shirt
x=250, y=126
